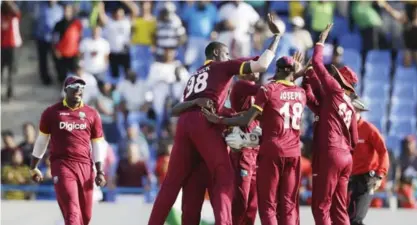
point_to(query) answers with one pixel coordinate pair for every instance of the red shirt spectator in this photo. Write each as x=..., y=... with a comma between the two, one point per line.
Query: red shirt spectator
x=10, y=33
x=132, y=170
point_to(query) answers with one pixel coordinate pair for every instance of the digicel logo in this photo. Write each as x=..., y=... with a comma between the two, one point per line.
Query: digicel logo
x=72, y=126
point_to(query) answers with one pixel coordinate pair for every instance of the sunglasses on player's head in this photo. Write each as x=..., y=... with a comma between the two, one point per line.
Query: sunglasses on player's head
x=75, y=86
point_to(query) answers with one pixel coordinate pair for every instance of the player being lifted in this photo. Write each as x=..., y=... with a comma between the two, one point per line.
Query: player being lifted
x=69, y=126
x=196, y=137
x=280, y=104
x=336, y=136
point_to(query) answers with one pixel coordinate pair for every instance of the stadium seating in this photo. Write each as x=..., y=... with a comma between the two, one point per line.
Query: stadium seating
x=400, y=58
x=402, y=127
x=403, y=110
x=375, y=73
x=393, y=143
x=353, y=59
x=351, y=41
x=405, y=74
x=376, y=110
x=405, y=92
x=341, y=27
x=375, y=93
x=279, y=6
x=379, y=57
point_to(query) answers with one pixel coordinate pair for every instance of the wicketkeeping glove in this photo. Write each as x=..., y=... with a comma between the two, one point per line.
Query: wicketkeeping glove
x=239, y=139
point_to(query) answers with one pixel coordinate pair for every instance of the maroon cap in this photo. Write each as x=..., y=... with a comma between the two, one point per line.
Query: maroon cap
x=285, y=62
x=349, y=75
x=72, y=80
x=342, y=81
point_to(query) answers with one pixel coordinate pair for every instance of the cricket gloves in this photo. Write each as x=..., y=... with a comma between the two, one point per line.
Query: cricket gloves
x=239, y=139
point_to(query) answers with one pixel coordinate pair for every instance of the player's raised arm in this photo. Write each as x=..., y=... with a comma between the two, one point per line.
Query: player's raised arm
x=328, y=82
x=40, y=147
x=262, y=64
x=312, y=100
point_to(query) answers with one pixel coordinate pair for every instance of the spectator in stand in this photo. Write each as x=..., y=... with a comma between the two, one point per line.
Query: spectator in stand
x=117, y=30
x=47, y=14
x=9, y=146
x=132, y=170
x=106, y=106
x=337, y=58
x=144, y=26
x=409, y=21
x=166, y=79
x=370, y=166
x=392, y=27
x=16, y=173
x=407, y=173
x=26, y=146
x=95, y=52
x=170, y=33
x=91, y=90
x=237, y=19
x=10, y=41
x=369, y=22
x=200, y=19
x=133, y=90
x=66, y=37
x=162, y=161
x=300, y=36
x=133, y=136
x=321, y=13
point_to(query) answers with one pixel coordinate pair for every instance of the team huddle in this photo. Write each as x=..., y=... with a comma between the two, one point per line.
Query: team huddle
x=247, y=157
x=255, y=165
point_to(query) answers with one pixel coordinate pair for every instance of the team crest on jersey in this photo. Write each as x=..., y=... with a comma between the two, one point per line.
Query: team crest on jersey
x=82, y=115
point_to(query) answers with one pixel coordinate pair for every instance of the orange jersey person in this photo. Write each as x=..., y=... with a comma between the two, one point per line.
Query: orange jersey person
x=370, y=165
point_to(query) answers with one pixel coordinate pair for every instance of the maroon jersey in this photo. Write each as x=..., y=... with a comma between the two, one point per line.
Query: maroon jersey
x=212, y=81
x=71, y=131
x=282, y=104
x=242, y=97
x=337, y=126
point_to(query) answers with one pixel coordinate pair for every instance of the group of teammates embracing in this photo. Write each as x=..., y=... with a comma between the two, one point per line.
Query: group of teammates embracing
x=267, y=151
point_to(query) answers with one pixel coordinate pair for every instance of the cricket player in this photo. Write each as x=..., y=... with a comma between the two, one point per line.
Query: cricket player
x=337, y=136
x=281, y=104
x=69, y=127
x=196, y=137
x=245, y=203
x=370, y=166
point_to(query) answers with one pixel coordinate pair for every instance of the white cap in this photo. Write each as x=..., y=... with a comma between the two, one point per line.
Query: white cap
x=298, y=21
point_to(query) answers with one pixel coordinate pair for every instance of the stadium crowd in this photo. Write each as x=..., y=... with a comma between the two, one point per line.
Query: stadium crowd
x=136, y=57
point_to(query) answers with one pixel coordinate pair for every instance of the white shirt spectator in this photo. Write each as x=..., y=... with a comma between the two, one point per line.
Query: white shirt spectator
x=95, y=53
x=243, y=16
x=301, y=37
x=133, y=93
x=91, y=91
x=163, y=82
x=117, y=32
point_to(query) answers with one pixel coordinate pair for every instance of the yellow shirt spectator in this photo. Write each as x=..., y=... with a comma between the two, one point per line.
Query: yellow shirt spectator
x=143, y=31
x=15, y=175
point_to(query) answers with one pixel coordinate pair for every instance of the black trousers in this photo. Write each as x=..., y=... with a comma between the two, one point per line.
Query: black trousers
x=44, y=48
x=360, y=198
x=8, y=61
x=119, y=59
x=65, y=65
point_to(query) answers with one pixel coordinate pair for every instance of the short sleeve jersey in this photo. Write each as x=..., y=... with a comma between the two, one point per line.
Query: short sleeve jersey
x=213, y=81
x=242, y=97
x=282, y=105
x=71, y=131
